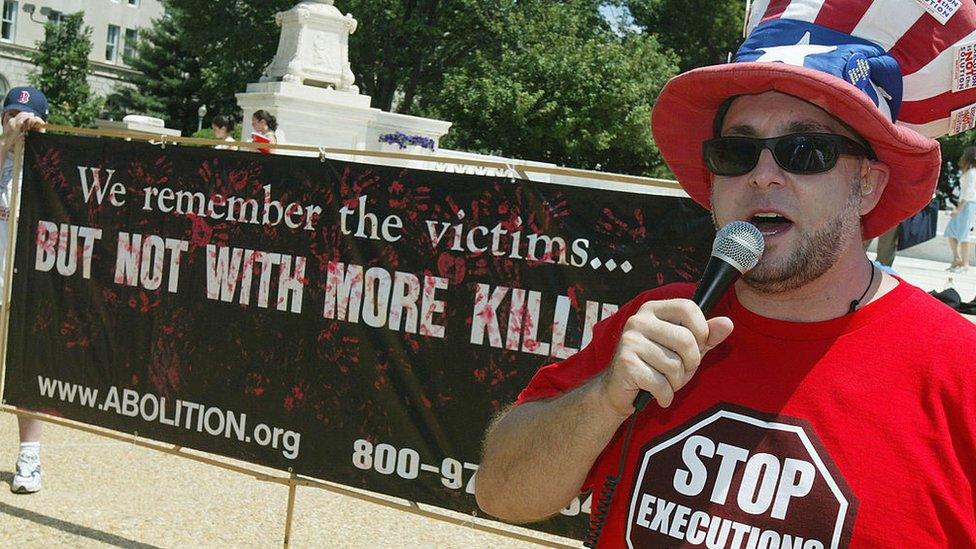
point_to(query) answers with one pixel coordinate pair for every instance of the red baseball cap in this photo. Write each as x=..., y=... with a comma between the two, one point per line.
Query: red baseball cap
x=898, y=72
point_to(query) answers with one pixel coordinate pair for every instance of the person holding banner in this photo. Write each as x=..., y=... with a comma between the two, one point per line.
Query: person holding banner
x=24, y=109
x=822, y=403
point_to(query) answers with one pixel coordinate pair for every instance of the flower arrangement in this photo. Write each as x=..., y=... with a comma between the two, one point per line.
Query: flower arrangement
x=403, y=140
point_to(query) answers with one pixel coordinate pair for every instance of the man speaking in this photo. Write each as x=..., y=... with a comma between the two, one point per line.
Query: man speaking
x=824, y=403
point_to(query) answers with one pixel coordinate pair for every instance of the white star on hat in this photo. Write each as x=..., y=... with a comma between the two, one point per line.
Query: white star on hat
x=792, y=55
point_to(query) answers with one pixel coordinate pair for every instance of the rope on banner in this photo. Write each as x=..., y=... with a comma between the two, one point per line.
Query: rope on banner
x=511, y=168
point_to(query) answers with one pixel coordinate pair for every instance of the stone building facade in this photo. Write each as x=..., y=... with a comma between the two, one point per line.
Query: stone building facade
x=115, y=24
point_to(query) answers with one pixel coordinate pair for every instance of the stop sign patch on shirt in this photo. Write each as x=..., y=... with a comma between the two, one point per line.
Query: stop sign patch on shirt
x=739, y=479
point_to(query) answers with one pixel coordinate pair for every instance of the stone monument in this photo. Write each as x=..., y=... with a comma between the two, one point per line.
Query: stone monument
x=314, y=47
x=310, y=88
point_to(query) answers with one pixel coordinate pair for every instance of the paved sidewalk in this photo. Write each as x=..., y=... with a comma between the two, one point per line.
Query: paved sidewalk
x=104, y=493
x=932, y=275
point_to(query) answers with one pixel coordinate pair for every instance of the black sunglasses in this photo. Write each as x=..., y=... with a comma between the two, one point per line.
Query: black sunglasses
x=799, y=153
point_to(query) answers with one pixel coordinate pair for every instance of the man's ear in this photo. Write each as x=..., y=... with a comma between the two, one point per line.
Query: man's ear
x=874, y=179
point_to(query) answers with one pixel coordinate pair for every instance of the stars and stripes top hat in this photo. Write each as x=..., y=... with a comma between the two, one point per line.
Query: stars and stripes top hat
x=898, y=72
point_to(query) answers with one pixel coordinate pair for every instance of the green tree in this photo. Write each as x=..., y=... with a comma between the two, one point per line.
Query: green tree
x=403, y=48
x=202, y=52
x=63, y=69
x=544, y=80
x=232, y=41
x=170, y=85
x=700, y=32
x=562, y=88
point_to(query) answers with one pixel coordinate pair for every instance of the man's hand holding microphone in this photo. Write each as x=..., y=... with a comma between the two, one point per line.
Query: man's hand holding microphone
x=659, y=352
x=526, y=451
x=662, y=345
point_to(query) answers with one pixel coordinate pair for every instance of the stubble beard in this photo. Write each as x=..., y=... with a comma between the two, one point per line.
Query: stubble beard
x=814, y=254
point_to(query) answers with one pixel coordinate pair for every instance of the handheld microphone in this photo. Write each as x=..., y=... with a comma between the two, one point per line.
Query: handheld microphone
x=737, y=249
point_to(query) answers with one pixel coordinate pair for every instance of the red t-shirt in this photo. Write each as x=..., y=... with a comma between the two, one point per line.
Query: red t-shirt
x=853, y=432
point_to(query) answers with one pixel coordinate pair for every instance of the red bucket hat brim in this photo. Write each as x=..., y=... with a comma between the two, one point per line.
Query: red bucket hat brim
x=685, y=112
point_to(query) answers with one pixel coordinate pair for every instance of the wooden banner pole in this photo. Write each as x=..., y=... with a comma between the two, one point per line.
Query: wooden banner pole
x=292, y=487
x=8, y=272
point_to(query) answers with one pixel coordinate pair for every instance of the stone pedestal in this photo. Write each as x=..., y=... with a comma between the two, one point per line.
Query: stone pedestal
x=308, y=115
x=314, y=47
x=309, y=87
x=140, y=124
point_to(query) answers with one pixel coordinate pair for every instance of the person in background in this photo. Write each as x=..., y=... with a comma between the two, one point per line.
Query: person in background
x=223, y=128
x=24, y=109
x=963, y=216
x=887, y=246
x=265, y=129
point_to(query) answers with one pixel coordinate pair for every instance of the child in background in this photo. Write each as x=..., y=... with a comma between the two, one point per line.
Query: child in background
x=223, y=128
x=265, y=129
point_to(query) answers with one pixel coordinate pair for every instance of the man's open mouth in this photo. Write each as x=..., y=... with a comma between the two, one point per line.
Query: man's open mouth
x=770, y=223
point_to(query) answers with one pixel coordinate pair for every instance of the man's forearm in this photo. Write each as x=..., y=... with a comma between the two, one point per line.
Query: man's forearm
x=538, y=454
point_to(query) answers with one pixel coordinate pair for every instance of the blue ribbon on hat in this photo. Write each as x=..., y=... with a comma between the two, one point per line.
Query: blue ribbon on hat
x=859, y=62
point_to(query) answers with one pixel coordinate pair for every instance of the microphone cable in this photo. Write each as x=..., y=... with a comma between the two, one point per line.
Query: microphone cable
x=599, y=517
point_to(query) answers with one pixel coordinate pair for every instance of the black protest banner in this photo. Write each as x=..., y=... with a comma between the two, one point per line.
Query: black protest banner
x=355, y=323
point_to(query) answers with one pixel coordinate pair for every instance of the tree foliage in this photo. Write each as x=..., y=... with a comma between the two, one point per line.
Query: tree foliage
x=404, y=48
x=202, y=52
x=401, y=48
x=62, y=71
x=539, y=79
x=169, y=85
x=700, y=32
x=563, y=89
x=233, y=41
